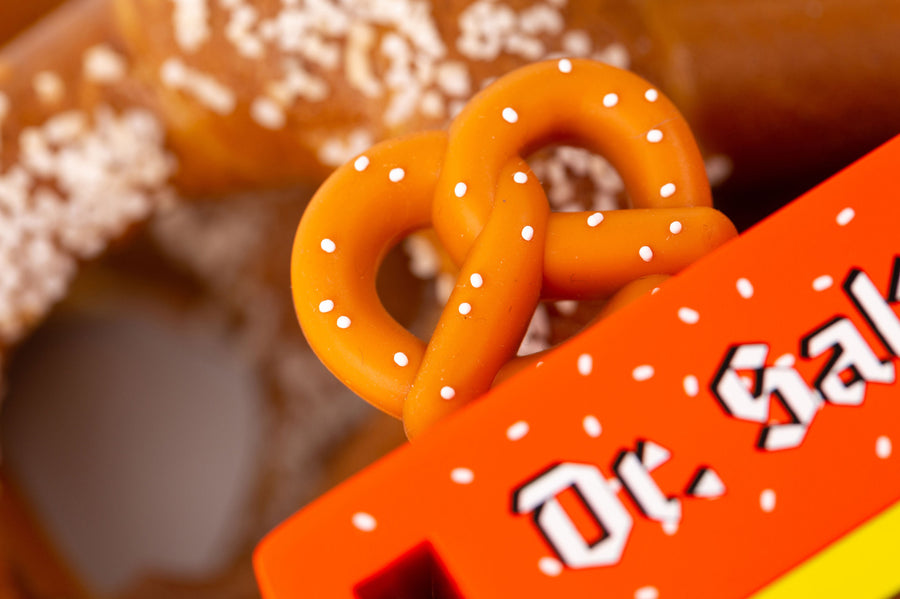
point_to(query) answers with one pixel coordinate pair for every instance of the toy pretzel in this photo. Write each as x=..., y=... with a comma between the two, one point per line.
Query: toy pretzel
x=474, y=187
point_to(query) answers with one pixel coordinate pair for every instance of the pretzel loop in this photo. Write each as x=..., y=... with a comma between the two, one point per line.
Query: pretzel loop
x=609, y=111
x=491, y=214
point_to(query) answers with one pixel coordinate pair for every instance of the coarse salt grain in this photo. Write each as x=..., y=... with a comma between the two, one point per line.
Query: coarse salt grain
x=646, y=253
x=527, y=232
x=448, y=392
x=49, y=87
x=102, y=64
x=510, y=115
x=266, y=113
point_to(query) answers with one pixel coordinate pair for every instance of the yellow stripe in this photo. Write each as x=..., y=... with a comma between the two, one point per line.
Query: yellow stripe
x=864, y=564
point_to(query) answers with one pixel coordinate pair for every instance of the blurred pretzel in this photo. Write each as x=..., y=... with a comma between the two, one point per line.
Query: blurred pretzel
x=490, y=212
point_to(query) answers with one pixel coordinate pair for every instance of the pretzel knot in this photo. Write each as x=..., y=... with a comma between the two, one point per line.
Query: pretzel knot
x=473, y=186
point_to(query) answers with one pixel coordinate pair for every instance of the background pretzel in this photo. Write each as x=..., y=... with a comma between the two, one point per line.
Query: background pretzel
x=490, y=212
x=780, y=84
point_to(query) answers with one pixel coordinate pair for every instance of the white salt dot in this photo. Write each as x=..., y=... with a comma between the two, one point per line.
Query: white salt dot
x=667, y=190
x=691, y=385
x=517, y=430
x=527, y=232
x=364, y=522
x=767, y=500
x=476, y=280
x=595, y=219
x=585, y=364
x=460, y=189
x=448, y=392
x=400, y=359
x=654, y=136
x=688, y=315
x=465, y=308
x=462, y=476
x=642, y=373
x=646, y=253
x=550, y=566
x=520, y=177
x=745, y=288
x=651, y=95
x=396, y=175
x=610, y=100
x=343, y=322
x=328, y=245
x=565, y=65
x=510, y=115
x=326, y=306
x=845, y=216
x=592, y=426
x=361, y=163
x=822, y=283
x=883, y=447
x=646, y=593
x=49, y=87
x=675, y=227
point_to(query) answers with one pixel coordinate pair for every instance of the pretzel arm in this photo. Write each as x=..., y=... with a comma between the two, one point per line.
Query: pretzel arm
x=488, y=312
x=593, y=262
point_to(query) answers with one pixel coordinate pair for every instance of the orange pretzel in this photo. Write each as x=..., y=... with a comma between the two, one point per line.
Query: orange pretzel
x=473, y=186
